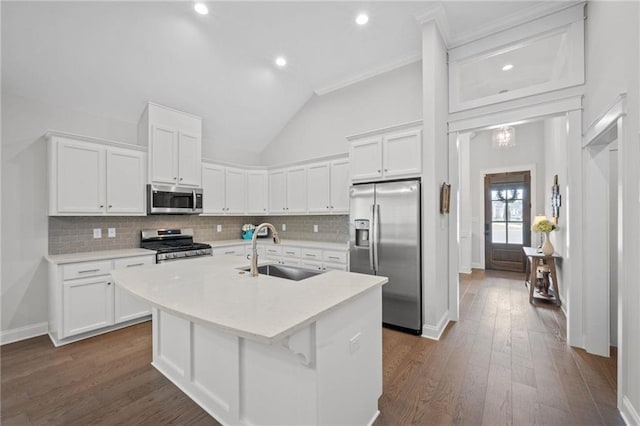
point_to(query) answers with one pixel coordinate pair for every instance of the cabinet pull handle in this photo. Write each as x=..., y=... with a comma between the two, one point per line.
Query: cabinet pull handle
x=134, y=264
x=229, y=252
x=310, y=255
x=110, y=205
x=101, y=205
x=88, y=270
x=327, y=206
x=331, y=206
x=175, y=178
x=290, y=252
x=386, y=170
x=333, y=257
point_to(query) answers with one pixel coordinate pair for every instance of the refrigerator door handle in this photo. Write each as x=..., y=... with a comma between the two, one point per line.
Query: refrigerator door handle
x=371, y=241
x=376, y=235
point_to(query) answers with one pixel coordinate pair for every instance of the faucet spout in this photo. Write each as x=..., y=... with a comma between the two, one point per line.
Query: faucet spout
x=254, y=245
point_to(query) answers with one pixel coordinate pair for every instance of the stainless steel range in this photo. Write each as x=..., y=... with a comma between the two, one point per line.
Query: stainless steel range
x=173, y=244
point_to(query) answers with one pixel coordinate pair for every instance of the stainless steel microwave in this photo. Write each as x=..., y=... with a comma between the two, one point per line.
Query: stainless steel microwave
x=173, y=200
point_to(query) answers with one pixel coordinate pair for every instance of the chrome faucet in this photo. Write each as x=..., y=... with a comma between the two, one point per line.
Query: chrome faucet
x=254, y=246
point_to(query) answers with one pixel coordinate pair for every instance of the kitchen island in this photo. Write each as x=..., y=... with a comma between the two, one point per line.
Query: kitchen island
x=266, y=350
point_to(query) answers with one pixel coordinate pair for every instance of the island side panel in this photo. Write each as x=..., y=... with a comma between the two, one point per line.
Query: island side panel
x=202, y=362
x=349, y=361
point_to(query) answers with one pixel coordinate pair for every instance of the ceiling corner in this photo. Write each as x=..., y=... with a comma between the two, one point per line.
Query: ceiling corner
x=437, y=15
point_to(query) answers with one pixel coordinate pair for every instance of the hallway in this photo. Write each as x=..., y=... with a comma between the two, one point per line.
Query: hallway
x=504, y=362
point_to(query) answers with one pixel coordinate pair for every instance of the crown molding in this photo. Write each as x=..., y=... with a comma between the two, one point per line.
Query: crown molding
x=390, y=66
x=437, y=15
x=529, y=14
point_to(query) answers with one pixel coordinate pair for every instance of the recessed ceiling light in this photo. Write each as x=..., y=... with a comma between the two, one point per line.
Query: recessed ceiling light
x=507, y=67
x=281, y=61
x=362, y=19
x=201, y=8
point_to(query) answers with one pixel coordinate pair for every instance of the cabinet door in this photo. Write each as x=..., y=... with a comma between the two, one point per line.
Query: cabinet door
x=125, y=182
x=189, y=160
x=402, y=153
x=87, y=305
x=257, y=192
x=163, y=151
x=80, y=178
x=127, y=306
x=318, y=188
x=366, y=159
x=277, y=191
x=213, y=189
x=235, y=191
x=296, y=190
x=340, y=186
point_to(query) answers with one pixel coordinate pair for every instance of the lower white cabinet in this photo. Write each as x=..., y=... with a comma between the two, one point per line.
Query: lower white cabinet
x=84, y=301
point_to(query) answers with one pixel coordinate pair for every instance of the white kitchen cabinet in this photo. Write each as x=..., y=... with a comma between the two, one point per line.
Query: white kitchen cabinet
x=277, y=192
x=237, y=250
x=387, y=154
x=174, y=139
x=88, y=304
x=297, y=190
x=126, y=306
x=223, y=190
x=89, y=177
x=339, y=186
x=84, y=301
x=257, y=192
x=318, y=188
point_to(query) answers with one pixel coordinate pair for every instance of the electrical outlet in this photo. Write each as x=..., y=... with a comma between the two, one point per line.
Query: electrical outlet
x=97, y=233
x=354, y=344
x=218, y=228
x=111, y=232
x=284, y=226
x=315, y=228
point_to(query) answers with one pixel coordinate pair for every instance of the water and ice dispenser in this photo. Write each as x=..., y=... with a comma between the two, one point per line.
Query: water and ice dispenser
x=362, y=232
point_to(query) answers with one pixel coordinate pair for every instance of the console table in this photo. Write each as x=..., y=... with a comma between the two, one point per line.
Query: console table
x=533, y=256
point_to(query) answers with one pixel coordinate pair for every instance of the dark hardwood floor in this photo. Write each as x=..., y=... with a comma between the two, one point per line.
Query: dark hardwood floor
x=504, y=362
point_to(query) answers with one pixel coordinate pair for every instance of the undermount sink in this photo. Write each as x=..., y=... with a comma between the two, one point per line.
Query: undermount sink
x=286, y=272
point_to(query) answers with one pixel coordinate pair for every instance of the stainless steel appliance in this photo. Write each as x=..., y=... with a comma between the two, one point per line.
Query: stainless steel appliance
x=385, y=239
x=173, y=244
x=173, y=200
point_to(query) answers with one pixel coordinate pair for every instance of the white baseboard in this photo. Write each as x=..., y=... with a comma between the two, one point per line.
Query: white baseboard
x=464, y=271
x=477, y=266
x=629, y=413
x=22, y=333
x=434, y=332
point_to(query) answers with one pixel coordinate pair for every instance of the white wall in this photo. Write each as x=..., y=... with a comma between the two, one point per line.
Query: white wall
x=555, y=163
x=24, y=199
x=612, y=55
x=435, y=146
x=529, y=150
x=320, y=128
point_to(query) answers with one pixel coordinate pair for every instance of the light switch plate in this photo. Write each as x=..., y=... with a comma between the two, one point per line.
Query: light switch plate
x=218, y=228
x=315, y=228
x=284, y=226
x=97, y=233
x=111, y=232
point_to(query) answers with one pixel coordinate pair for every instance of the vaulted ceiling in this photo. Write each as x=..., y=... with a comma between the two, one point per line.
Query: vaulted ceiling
x=109, y=58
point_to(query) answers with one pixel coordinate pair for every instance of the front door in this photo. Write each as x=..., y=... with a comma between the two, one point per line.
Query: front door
x=507, y=220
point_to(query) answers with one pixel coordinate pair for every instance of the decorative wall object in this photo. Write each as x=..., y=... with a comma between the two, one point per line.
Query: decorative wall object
x=445, y=198
x=556, y=200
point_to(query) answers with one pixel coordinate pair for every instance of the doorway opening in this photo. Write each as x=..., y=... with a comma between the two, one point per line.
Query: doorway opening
x=507, y=218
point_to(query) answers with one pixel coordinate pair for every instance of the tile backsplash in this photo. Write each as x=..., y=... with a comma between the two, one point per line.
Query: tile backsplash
x=75, y=234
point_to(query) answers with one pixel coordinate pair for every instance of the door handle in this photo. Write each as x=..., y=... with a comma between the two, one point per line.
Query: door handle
x=193, y=194
x=486, y=229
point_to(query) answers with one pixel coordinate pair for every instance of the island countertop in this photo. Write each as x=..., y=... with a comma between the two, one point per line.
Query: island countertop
x=213, y=291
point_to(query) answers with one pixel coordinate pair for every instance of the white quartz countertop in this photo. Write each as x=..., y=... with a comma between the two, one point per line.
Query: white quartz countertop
x=293, y=243
x=213, y=292
x=60, y=259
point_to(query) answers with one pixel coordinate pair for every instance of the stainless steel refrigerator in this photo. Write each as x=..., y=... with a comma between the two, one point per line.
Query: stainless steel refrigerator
x=385, y=239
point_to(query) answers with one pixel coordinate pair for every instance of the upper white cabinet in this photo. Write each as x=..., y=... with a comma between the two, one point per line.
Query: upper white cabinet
x=339, y=186
x=277, y=192
x=257, y=192
x=297, y=190
x=92, y=177
x=318, y=188
x=387, y=154
x=223, y=189
x=175, y=145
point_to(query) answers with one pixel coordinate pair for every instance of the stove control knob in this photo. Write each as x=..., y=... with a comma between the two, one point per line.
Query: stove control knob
x=187, y=254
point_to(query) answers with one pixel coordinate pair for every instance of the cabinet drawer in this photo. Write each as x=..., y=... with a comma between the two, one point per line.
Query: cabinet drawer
x=334, y=266
x=335, y=256
x=132, y=262
x=291, y=252
x=274, y=250
x=248, y=250
x=290, y=261
x=231, y=250
x=311, y=264
x=311, y=254
x=86, y=269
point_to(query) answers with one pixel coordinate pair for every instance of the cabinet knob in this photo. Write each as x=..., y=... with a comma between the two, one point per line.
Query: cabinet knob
x=174, y=178
x=108, y=283
x=384, y=170
x=181, y=179
x=110, y=206
x=327, y=206
x=331, y=206
x=378, y=170
x=101, y=205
